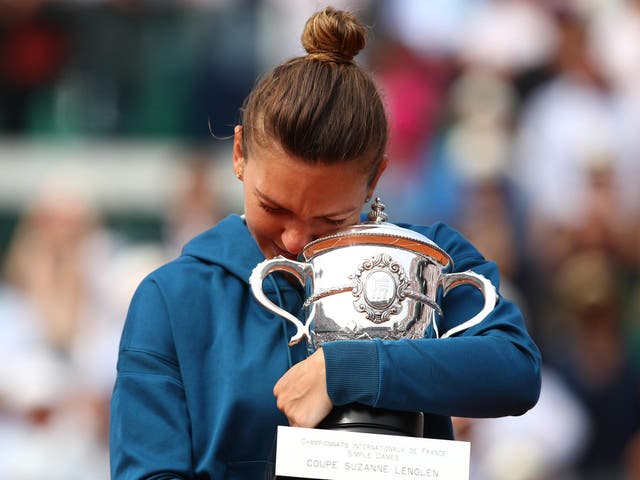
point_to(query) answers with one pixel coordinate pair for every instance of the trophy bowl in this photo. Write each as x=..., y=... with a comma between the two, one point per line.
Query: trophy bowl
x=371, y=280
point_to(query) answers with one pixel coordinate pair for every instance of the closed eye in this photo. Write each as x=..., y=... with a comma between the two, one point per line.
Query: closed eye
x=336, y=222
x=270, y=209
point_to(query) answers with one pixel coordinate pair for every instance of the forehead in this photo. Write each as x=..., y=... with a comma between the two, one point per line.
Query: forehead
x=296, y=184
x=272, y=156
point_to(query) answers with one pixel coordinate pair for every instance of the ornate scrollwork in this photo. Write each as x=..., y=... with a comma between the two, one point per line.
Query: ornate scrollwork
x=380, y=285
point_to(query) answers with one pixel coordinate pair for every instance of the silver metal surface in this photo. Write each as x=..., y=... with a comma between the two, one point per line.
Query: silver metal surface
x=371, y=280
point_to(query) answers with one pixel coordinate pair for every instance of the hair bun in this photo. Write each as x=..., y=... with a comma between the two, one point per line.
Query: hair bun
x=333, y=36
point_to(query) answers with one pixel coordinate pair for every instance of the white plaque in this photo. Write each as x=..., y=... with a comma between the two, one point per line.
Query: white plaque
x=337, y=455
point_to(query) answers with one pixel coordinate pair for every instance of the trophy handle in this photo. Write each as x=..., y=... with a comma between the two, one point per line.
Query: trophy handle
x=265, y=268
x=451, y=280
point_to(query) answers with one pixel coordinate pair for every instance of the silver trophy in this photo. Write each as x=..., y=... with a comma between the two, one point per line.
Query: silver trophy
x=371, y=280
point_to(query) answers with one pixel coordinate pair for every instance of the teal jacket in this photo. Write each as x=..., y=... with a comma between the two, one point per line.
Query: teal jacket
x=199, y=358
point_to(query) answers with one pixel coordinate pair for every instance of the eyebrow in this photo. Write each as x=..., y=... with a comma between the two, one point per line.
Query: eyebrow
x=275, y=204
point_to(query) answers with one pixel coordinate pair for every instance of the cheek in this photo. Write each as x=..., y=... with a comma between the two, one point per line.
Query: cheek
x=261, y=224
x=263, y=227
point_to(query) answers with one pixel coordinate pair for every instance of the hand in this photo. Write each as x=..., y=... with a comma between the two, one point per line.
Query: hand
x=301, y=393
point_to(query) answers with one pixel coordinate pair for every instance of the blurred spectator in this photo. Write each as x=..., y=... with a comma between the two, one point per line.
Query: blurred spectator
x=478, y=140
x=568, y=132
x=47, y=424
x=575, y=163
x=592, y=356
x=62, y=306
x=47, y=414
x=490, y=221
x=414, y=88
x=33, y=51
x=65, y=338
x=194, y=207
x=615, y=44
x=54, y=247
x=429, y=28
x=472, y=147
x=477, y=147
x=507, y=36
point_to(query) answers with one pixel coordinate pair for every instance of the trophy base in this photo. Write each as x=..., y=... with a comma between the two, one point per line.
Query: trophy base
x=360, y=418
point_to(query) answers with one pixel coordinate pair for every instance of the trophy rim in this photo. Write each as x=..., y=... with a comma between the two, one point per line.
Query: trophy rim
x=422, y=245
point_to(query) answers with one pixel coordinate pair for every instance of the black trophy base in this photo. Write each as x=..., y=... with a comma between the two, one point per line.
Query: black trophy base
x=360, y=418
x=363, y=419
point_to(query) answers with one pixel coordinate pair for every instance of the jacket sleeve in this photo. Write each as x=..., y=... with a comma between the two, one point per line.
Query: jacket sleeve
x=489, y=370
x=149, y=426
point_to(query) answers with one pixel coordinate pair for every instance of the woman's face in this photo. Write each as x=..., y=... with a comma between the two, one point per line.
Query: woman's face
x=289, y=203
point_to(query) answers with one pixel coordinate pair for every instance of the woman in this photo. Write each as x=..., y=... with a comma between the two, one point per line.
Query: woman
x=205, y=374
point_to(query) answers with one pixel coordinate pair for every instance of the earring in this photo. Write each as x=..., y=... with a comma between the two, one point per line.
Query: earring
x=238, y=174
x=368, y=199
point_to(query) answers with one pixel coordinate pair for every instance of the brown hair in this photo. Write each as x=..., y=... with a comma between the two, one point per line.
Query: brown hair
x=321, y=107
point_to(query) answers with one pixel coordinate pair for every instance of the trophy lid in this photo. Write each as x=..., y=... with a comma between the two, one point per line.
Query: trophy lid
x=377, y=231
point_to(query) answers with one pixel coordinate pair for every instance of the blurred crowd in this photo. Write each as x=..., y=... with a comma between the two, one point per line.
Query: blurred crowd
x=515, y=121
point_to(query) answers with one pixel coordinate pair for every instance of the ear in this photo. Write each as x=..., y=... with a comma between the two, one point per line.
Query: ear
x=372, y=186
x=238, y=153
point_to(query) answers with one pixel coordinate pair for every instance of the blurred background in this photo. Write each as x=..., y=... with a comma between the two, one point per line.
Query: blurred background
x=515, y=121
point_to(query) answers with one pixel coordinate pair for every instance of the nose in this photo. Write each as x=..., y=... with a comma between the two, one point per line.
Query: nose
x=295, y=237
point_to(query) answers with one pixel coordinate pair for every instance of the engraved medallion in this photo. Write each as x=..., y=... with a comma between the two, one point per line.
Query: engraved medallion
x=379, y=288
